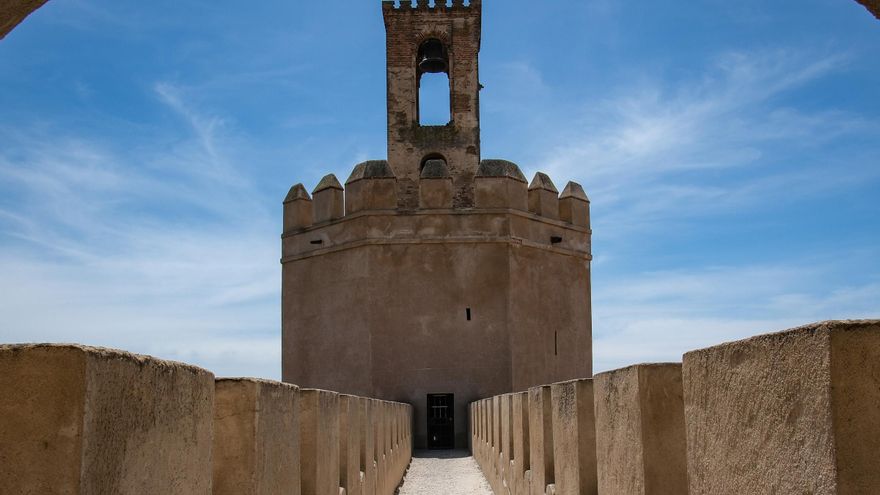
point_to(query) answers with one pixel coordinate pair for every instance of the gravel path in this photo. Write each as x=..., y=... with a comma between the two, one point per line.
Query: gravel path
x=444, y=472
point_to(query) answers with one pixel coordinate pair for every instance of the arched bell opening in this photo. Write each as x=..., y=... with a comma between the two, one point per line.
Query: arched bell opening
x=434, y=101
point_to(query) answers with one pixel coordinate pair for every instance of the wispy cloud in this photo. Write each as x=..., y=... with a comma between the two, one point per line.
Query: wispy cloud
x=106, y=248
x=721, y=139
x=658, y=316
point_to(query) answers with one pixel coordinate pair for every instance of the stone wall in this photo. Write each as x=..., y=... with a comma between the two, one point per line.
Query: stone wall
x=792, y=412
x=76, y=419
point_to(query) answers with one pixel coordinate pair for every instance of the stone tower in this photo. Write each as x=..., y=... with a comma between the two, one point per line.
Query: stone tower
x=435, y=277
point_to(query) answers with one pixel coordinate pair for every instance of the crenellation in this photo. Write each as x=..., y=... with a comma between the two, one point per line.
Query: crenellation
x=574, y=205
x=435, y=186
x=544, y=197
x=298, y=209
x=500, y=184
x=371, y=186
x=328, y=199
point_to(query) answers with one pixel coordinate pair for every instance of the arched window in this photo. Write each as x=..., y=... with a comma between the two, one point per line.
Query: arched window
x=434, y=90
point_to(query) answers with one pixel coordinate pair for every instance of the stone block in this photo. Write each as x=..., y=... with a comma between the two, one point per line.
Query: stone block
x=328, y=199
x=544, y=197
x=640, y=436
x=520, y=464
x=349, y=444
x=540, y=439
x=574, y=206
x=500, y=184
x=574, y=435
x=790, y=412
x=256, y=437
x=319, y=441
x=371, y=186
x=368, y=446
x=77, y=419
x=435, y=186
x=298, y=211
x=506, y=442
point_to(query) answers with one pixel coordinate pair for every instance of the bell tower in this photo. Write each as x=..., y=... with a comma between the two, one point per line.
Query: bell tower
x=424, y=39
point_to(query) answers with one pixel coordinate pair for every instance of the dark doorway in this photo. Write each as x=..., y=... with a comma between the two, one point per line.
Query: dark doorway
x=441, y=423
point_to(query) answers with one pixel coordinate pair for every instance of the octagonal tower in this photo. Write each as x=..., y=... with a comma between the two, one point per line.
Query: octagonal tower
x=435, y=277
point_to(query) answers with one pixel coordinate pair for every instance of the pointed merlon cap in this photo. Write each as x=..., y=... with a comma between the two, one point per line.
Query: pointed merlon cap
x=500, y=168
x=542, y=181
x=574, y=190
x=297, y=192
x=435, y=169
x=328, y=182
x=371, y=169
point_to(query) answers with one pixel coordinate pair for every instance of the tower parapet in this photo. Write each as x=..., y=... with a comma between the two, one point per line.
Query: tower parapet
x=371, y=188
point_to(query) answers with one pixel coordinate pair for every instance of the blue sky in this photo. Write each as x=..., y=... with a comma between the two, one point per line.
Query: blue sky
x=730, y=150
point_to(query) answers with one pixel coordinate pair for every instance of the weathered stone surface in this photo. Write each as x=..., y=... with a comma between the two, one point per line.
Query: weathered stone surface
x=371, y=186
x=574, y=206
x=435, y=169
x=256, y=437
x=328, y=200
x=319, y=441
x=791, y=412
x=77, y=419
x=298, y=210
x=520, y=464
x=435, y=193
x=368, y=446
x=409, y=143
x=500, y=168
x=12, y=12
x=371, y=169
x=349, y=444
x=574, y=435
x=544, y=197
x=540, y=439
x=640, y=435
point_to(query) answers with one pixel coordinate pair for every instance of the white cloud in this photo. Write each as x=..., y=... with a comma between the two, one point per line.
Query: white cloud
x=108, y=248
x=659, y=316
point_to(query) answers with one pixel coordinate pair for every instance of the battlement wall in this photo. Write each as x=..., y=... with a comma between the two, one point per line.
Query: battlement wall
x=790, y=412
x=366, y=209
x=77, y=419
x=409, y=6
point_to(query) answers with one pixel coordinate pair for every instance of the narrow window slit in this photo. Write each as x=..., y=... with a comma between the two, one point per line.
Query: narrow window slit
x=467, y=313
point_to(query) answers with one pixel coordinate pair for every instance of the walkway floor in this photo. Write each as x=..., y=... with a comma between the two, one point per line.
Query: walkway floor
x=444, y=472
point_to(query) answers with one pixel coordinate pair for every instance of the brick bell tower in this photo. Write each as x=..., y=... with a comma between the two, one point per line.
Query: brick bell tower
x=435, y=277
x=440, y=39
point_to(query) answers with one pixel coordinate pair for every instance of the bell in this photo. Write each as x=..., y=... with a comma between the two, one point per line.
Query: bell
x=432, y=57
